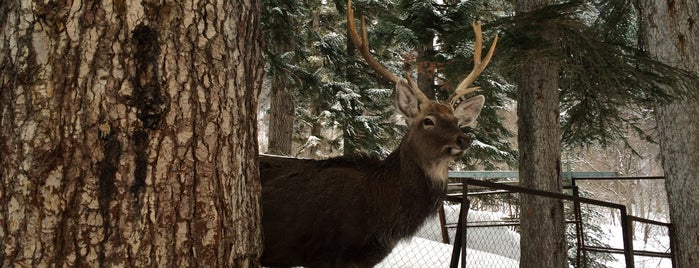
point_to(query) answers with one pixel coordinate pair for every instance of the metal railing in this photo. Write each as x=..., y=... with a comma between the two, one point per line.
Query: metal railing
x=467, y=184
x=627, y=222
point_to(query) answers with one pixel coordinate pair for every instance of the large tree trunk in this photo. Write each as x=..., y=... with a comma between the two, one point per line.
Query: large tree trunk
x=128, y=135
x=543, y=242
x=672, y=35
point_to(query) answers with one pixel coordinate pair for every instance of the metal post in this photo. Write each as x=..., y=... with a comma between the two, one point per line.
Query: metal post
x=443, y=224
x=457, y=244
x=465, y=203
x=580, y=258
x=459, y=250
x=671, y=234
x=626, y=231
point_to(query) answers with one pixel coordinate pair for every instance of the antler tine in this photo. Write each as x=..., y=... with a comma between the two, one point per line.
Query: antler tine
x=364, y=46
x=416, y=90
x=478, y=63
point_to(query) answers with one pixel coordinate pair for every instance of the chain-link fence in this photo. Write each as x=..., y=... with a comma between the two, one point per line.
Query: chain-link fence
x=492, y=237
x=488, y=246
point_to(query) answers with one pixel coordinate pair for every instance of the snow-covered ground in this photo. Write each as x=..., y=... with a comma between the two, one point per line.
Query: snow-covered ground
x=404, y=255
x=487, y=247
x=657, y=242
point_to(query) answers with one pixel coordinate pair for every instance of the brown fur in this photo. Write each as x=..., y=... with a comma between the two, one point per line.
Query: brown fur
x=352, y=211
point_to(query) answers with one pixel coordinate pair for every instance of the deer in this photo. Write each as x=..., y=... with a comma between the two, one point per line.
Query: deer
x=351, y=211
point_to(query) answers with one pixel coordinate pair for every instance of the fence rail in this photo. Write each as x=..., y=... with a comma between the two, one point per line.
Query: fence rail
x=465, y=183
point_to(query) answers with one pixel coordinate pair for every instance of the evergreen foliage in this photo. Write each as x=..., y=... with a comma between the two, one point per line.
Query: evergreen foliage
x=604, y=73
x=285, y=38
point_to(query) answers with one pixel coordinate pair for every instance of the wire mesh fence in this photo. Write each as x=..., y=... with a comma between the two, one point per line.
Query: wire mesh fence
x=492, y=236
x=488, y=246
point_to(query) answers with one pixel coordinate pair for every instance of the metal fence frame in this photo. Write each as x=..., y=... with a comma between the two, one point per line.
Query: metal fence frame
x=465, y=179
x=627, y=226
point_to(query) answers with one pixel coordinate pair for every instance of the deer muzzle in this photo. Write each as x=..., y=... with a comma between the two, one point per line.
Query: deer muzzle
x=463, y=142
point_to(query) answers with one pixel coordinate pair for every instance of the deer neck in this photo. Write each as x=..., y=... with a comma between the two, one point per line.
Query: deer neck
x=418, y=193
x=405, y=166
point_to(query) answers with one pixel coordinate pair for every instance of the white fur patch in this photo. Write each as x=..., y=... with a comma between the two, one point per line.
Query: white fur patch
x=456, y=151
x=438, y=171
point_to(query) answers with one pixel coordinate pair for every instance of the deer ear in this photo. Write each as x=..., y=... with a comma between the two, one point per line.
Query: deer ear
x=407, y=100
x=468, y=110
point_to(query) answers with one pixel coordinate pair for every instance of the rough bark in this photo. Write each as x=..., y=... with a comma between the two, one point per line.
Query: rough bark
x=543, y=241
x=672, y=35
x=281, y=118
x=281, y=114
x=126, y=133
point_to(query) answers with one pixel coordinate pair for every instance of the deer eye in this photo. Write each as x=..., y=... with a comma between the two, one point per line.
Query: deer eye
x=427, y=122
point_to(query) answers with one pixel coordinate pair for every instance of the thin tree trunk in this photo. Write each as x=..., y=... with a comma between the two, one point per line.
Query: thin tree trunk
x=316, y=127
x=127, y=134
x=426, y=69
x=281, y=117
x=543, y=242
x=671, y=34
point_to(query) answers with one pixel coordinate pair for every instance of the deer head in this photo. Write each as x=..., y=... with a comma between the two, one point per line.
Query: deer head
x=434, y=137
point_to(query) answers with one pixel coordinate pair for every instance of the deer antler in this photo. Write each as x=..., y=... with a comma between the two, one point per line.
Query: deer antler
x=364, y=46
x=462, y=89
x=478, y=64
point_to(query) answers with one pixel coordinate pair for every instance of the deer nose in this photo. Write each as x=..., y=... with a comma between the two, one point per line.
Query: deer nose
x=463, y=142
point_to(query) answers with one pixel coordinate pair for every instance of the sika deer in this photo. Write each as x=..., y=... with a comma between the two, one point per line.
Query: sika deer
x=351, y=211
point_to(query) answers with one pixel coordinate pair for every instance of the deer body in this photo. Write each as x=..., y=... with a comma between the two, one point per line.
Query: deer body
x=343, y=212
x=352, y=211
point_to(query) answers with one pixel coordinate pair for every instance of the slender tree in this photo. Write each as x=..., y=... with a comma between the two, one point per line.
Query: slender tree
x=281, y=116
x=284, y=33
x=671, y=34
x=539, y=137
x=126, y=133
